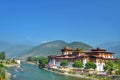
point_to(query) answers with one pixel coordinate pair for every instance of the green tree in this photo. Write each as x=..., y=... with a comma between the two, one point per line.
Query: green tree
x=2, y=55
x=109, y=66
x=117, y=66
x=29, y=58
x=13, y=60
x=79, y=49
x=112, y=66
x=117, y=61
x=89, y=65
x=43, y=61
x=77, y=64
x=64, y=63
x=2, y=72
x=34, y=59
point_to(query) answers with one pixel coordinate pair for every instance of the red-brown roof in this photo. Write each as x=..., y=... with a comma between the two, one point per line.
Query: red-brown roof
x=52, y=56
x=98, y=49
x=66, y=57
x=99, y=52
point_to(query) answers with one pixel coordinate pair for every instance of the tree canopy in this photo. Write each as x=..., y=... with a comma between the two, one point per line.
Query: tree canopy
x=77, y=64
x=64, y=63
x=89, y=65
x=2, y=72
x=2, y=55
x=108, y=65
x=43, y=61
x=38, y=59
x=112, y=66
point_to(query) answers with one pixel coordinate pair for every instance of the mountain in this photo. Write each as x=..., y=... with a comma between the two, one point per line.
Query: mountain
x=4, y=45
x=113, y=46
x=54, y=47
x=13, y=50
x=81, y=45
x=109, y=44
x=17, y=50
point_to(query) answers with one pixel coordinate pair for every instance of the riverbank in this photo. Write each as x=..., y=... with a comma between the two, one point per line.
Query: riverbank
x=11, y=65
x=37, y=74
x=64, y=73
x=8, y=75
x=73, y=75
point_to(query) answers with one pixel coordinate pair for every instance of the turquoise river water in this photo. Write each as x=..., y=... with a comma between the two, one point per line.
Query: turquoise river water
x=32, y=72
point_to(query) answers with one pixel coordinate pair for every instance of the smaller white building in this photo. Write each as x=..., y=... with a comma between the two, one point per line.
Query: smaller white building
x=18, y=61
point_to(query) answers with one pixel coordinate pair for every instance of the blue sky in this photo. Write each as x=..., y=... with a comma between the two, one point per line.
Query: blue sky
x=37, y=21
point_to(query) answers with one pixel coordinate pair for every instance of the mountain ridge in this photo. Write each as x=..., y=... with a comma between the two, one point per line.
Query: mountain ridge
x=17, y=50
x=13, y=49
x=112, y=46
x=54, y=47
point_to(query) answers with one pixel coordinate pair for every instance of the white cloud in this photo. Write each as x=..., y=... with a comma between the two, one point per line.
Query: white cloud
x=44, y=41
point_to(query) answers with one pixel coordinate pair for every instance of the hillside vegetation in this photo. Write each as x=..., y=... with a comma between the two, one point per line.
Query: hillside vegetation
x=54, y=47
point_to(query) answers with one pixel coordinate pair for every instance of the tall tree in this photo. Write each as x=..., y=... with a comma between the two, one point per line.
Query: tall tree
x=2, y=55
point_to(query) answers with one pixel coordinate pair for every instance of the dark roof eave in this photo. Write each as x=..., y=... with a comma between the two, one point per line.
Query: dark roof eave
x=109, y=59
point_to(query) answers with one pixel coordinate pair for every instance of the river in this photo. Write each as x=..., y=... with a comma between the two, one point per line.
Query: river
x=32, y=72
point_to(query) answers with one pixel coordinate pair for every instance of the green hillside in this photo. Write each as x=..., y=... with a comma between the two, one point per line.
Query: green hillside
x=54, y=47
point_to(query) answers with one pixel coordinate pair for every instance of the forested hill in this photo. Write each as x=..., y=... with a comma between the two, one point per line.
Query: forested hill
x=54, y=47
